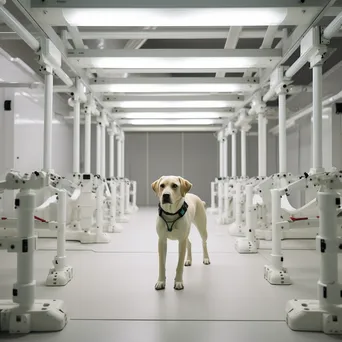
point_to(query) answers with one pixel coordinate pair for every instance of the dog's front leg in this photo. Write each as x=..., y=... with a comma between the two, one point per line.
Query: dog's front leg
x=162, y=249
x=180, y=267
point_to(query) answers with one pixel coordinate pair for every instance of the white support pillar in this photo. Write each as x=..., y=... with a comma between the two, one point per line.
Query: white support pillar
x=317, y=139
x=87, y=143
x=76, y=135
x=48, y=113
x=103, y=145
x=123, y=155
x=220, y=196
x=234, y=159
x=119, y=156
x=262, y=145
x=98, y=146
x=111, y=132
x=282, y=133
x=243, y=154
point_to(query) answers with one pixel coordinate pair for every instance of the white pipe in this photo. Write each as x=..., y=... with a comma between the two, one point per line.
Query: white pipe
x=25, y=285
x=63, y=89
x=119, y=157
x=111, y=152
x=243, y=154
x=213, y=193
x=34, y=85
x=234, y=160
x=221, y=158
x=333, y=27
x=64, y=77
x=282, y=134
x=225, y=157
x=328, y=258
x=276, y=255
x=238, y=213
x=261, y=146
x=62, y=205
x=48, y=109
x=99, y=207
x=127, y=196
x=17, y=27
x=98, y=148
x=269, y=95
x=298, y=64
x=76, y=137
x=113, y=205
x=87, y=143
x=103, y=148
x=250, y=214
x=317, y=152
x=123, y=157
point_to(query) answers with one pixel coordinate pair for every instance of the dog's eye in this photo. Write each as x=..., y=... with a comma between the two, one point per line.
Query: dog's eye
x=162, y=186
x=174, y=186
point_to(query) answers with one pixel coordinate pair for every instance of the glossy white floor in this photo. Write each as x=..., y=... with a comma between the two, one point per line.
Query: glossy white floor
x=112, y=296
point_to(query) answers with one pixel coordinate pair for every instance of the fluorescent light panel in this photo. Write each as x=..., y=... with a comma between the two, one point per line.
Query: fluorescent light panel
x=162, y=122
x=169, y=104
x=176, y=115
x=174, y=88
x=177, y=17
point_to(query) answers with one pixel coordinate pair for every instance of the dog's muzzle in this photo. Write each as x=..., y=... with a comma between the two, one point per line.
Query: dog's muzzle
x=166, y=198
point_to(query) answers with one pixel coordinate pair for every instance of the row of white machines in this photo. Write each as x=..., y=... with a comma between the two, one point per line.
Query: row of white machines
x=259, y=209
x=85, y=211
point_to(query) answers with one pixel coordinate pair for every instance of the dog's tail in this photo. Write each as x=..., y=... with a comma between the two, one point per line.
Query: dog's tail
x=205, y=204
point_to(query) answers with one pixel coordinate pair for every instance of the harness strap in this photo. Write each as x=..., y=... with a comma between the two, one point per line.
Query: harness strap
x=181, y=212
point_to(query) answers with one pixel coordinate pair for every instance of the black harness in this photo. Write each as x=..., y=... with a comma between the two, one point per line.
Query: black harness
x=181, y=212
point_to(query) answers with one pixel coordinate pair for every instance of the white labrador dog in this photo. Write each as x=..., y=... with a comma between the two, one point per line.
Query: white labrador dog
x=177, y=211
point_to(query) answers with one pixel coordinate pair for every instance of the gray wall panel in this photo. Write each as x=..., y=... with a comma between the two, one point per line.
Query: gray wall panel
x=200, y=162
x=164, y=158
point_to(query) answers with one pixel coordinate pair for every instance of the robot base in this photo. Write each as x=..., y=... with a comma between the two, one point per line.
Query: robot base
x=306, y=315
x=135, y=208
x=275, y=276
x=59, y=278
x=244, y=246
x=235, y=229
x=95, y=238
x=116, y=228
x=45, y=315
x=122, y=219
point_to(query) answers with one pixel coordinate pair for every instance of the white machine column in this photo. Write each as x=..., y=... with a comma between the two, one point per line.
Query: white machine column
x=76, y=135
x=220, y=196
x=262, y=145
x=243, y=154
x=48, y=110
x=282, y=133
x=234, y=159
x=98, y=146
x=111, y=132
x=317, y=143
x=87, y=143
x=103, y=145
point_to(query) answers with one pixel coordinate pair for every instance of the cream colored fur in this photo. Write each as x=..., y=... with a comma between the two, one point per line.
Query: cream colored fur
x=177, y=188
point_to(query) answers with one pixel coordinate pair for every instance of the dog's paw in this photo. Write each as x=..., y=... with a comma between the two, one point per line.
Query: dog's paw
x=178, y=285
x=187, y=263
x=160, y=285
x=206, y=261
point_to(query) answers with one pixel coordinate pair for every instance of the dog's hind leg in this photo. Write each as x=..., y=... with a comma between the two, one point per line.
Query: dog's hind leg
x=188, y=260
x=201, y=224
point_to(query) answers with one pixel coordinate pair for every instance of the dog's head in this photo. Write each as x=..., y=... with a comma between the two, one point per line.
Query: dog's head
x=171, y=189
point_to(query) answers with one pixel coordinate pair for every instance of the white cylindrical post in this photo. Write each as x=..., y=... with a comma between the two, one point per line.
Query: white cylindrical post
x=317, y=143
x=113, y=205
x=262, y=145
x=327, y=246
x=61, y=220
x=99, y=208
x=234, y=160
x=250, y=214
x=48, y=110
x=87, y=143
x=98, y=147
x=127, y=196
x=212, y=193
x=24, y=288
x=76, y=136
x=282, y=134
x=119, y=157
x=111, y=153
x=238, y=209
x=276, y=254
x=103, y=148
x=225, y=157
x=123, y=156
x=221, y=158
x=134, y=195
x=243, y=154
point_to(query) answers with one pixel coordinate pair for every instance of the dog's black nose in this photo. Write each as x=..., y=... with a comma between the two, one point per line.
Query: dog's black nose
x=166, y=198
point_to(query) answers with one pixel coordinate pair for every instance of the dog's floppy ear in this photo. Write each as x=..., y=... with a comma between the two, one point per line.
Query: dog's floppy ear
x=155, y=185
x=185, y=186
